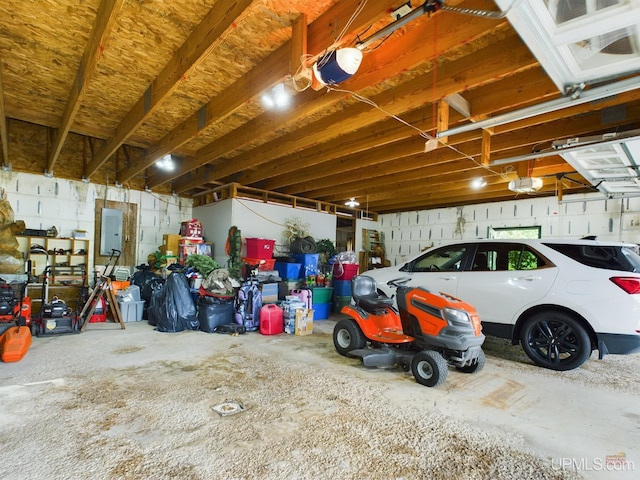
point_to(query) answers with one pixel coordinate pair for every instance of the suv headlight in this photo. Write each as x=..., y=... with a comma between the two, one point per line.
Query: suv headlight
x=456, y=317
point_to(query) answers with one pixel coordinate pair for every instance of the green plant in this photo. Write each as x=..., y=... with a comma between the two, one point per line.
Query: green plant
x=202, y=263
x=326, y=247
x=295, y=227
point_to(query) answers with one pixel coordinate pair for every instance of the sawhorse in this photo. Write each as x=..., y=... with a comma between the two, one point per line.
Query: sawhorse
x=103, y=287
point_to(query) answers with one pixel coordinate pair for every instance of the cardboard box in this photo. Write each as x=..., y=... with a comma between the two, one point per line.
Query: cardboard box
x=170, y=243
x=269, y=292
x=304, y=321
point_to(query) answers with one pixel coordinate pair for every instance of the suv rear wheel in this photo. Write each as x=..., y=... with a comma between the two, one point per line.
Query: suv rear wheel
x=555, y=340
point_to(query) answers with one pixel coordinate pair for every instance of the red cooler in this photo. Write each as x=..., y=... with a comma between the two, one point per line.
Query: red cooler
x=271, y=319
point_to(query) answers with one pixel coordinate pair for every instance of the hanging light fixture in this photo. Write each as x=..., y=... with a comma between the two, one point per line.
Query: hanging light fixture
x=166, y=163
x=478, y=183
x=352, y=203
x=277, y=97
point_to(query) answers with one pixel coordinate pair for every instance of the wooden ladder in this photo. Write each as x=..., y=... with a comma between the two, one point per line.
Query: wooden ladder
x=103, y=287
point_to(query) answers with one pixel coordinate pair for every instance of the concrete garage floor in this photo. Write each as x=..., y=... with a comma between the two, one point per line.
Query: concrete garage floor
x=138, y=404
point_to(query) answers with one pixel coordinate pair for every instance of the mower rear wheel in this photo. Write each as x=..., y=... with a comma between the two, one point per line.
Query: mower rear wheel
x=429, y=368
x=474, y=368
x=347, y=336
x=35, y=329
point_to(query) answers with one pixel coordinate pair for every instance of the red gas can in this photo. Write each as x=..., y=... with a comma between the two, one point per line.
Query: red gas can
x=271, y=319
x=100, y=313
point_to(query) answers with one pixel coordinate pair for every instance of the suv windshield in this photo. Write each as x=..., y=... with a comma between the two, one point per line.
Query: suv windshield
x=608, y=257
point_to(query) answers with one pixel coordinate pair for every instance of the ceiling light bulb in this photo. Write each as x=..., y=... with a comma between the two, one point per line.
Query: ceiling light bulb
x=267, y=101
x=352, y=202
x=166, y=163
x=478, y=183
x=281, y=96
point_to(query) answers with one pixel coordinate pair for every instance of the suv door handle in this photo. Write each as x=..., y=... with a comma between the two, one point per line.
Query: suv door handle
x=529, y=278
x=448, y=278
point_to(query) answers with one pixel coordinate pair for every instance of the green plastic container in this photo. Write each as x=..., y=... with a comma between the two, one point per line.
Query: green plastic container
x=322, y=294
x=340, y=301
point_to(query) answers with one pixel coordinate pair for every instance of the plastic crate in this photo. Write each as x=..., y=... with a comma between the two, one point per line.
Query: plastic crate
x=345, y=271
x=309, y=262
x=321, y=311
x=342, y=288
x=267, y=266
x=321, y=294
x=340, y=301
x=288, y=270
x=131, y=311
x=260, y=248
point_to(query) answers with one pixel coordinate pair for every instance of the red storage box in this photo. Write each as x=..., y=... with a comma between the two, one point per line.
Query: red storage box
x=192, y=228
x=260, y=248
x=345, y=271
x=267, y=266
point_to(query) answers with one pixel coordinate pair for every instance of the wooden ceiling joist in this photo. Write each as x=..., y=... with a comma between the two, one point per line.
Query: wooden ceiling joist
x=183, y=78
x=249, y=86
x=204, y=39
x=103, y=26
x=4, y=132
x=456, y=28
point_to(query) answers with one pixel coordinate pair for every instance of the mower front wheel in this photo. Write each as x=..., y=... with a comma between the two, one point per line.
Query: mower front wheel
x=347, y=336
x=429, y=368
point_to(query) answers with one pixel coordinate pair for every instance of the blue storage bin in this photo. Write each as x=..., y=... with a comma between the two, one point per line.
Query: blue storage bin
x=288, y=270
x=321, y=310
x=342, y=288
x=309, y=261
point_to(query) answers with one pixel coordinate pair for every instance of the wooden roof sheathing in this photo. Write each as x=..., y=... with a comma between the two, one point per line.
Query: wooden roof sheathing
x=185, y=76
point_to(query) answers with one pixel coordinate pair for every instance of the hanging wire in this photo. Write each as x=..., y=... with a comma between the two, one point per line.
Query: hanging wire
x=422, y=133
x=325, y=55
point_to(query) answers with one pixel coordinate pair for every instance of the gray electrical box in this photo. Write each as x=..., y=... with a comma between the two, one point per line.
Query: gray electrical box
x=111, y=231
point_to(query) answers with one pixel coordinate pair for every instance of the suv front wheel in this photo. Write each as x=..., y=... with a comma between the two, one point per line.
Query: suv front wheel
x=555, y=340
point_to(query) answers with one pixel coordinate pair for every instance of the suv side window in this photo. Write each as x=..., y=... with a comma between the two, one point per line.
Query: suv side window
x=609, y=257
x=447, y=259
x=507, y=256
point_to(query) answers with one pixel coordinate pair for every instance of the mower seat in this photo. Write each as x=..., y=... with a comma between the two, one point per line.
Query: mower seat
x=366, y=295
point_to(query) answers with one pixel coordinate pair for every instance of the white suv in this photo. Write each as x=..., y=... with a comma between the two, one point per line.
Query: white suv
x=560, y=299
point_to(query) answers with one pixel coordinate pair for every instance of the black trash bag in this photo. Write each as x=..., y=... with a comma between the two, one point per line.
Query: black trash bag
x=177, y=310
x=303, y=245
x=214, y=311
x=155, y=292
x=149, y=283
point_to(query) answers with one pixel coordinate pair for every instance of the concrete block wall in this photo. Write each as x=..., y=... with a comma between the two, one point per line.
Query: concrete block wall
x=69, y=205
x=409, y=233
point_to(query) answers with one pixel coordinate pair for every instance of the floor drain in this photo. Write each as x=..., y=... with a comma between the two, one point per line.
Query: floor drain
x=228, y=407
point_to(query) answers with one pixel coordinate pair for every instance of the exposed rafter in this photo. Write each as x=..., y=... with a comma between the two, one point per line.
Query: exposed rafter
x=103, y=26
x=4, y=134
x=201, y=43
